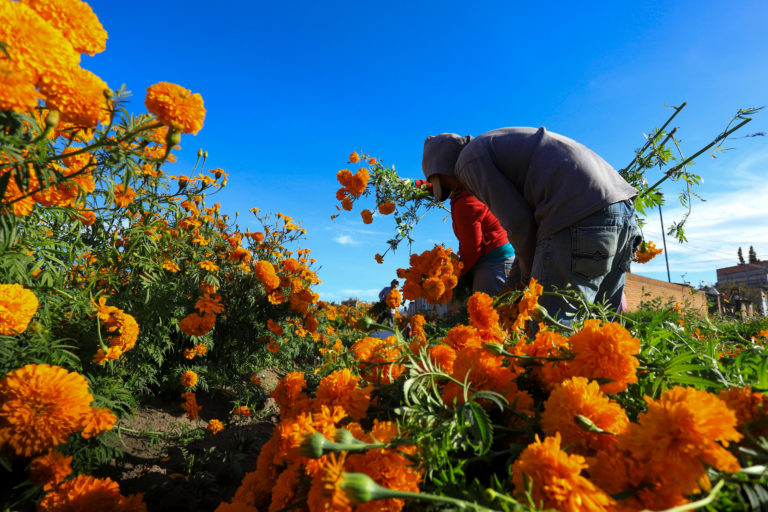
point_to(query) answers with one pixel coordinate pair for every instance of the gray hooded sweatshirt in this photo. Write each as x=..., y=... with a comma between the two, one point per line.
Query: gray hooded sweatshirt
x=534, y=181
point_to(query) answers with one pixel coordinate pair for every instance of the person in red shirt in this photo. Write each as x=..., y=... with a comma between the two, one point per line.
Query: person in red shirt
x=484, y=248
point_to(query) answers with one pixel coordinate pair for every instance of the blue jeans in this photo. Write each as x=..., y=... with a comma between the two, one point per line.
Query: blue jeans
x=591, y=256
x=490, y=276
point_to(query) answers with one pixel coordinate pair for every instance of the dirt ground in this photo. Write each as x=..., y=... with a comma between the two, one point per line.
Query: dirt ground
x=178, y=466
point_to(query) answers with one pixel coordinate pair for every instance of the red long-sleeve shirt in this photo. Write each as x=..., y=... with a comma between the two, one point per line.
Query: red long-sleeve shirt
x=478, y=230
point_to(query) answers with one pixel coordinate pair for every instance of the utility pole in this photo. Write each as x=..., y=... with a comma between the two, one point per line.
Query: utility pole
x=664, y=240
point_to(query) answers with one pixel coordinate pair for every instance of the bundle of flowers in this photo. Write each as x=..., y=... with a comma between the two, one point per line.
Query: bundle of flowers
x=433, y=275
x=646, y=252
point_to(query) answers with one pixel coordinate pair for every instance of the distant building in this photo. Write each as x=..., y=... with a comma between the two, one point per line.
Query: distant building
x=751, y=275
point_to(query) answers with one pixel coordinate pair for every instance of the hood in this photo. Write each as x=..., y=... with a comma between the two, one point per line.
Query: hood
x=441, y=153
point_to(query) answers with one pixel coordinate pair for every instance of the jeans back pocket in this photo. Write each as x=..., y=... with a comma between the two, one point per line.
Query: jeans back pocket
x=593, y=249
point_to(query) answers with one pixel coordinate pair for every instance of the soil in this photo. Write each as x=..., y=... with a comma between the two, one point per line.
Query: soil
x=182, y=466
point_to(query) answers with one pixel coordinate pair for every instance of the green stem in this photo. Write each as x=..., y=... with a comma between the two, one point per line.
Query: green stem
x=648, y=142
x=697, y=504
x=670, y=172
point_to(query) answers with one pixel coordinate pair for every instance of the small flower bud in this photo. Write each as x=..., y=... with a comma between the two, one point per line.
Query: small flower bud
x=52, y=119
x=365, y=323
x=205, y=155
x=173, y=138
x=359, y=487
x=494, y=348
x=199, y=152
x=313, y=446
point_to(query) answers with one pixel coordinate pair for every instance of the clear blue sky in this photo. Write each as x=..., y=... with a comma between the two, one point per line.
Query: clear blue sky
x=292, y=88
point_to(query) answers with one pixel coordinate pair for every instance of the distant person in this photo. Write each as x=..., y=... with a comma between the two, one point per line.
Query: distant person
x=388, y=315
x=567, y=212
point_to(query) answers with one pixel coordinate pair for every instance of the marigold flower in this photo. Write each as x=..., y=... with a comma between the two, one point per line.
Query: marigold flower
x=341, y=388
x=90, y=493
x=646, y=252
x=605, y=351
x=346, y=203
x=325, y=492
x=40, y=406
x=17, y=307
x=188, y=379
x=50, y=469
x=209, y=304
x=750, y=406
x=215, y=426
x=284, y=490
x=393, y=298
x=75, y=20
x=481, y=312
x=682, y=431
x=243, y=410
x=379, y=258
x=354, y=157
x=98, y=420
x=443, y=356
x=288, y=392
x=124, y=195
x=176, y=107
x=367, y=216
x=265, y=272
x=579, y=396
x=197, y=325
x=208, y=265
x=527, y=304
x=200, y=349
x=386, y=207
x=190, y=405
x=255, y=380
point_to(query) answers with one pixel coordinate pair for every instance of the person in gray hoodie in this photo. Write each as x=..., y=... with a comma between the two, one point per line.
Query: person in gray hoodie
x=567, y=212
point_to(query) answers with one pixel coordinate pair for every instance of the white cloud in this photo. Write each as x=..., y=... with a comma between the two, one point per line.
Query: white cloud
x=367, y=294
x=345, y=240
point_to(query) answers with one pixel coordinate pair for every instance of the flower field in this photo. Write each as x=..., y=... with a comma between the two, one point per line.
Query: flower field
x=122, y=286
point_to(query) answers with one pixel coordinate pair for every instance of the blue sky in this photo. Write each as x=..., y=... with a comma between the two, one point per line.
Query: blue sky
x=292, y=88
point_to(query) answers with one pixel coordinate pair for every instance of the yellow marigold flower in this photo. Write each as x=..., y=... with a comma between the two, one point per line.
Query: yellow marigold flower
x=393, y=298
x=188, y=379
x=75, y=20
x=215, y=426
x=579, y=396
x=556, y=478
x=341, y=388
x=50, y=469
x=386, y=207
x=208, y=265
x=17, y=307
x=190, y=405
x=682, y=431
x=90, y=493
x=170, y=266
x=40, y=406
x=367, y=216
x=98, y=420
x=325, y=492
x=176, y=107
x=605, y=351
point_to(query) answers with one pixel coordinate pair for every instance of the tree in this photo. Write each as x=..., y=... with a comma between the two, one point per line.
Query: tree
x=752, y=255
x=741, y=257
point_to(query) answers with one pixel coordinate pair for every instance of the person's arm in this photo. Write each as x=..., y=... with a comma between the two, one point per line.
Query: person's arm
x=467, y=213
x=487, y=182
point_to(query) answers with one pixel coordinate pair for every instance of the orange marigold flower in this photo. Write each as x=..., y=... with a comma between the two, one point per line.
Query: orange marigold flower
x=340, y=388
x=243, y=410
x=463, y=336
x=40, y=406
x=188, y=379
x=750, y=406
x=346, y=203
x=50, y=469
x=386, y=207
x=176, y=107
x=288, y=392
x=284, y=490
x=527, y=304
x=87, y=217
x=354, y=157
x=393, y=298
x=215, y=426
x=341, y=194
x=443, y=356
x=75, y=20
x=605, y=351
x=17, y=307
x=579, y=396
x=481, y=312
x=124, y=195
x=98, y=420
x=209, y=304
x=265, y=271
x=255, y=380
x=379, y=258
x=556, y=478
x=189, y=353
x=17, y=91
x=681, y=432
x=646, y=252
x=90, y=493
x=432, y=289
x=197, y=325
x=208, y=265
x=367, y=216
x=190, y=405
x=275, y=327
x=325, y=492
x=200, y=349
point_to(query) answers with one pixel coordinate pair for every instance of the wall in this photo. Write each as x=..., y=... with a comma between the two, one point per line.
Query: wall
x=639, y=289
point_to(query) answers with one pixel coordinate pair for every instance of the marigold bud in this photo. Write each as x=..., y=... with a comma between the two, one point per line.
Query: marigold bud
x=365, y=323
x=52, y=119
x=361, y=488
x=313, y=446
x=172, y=138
